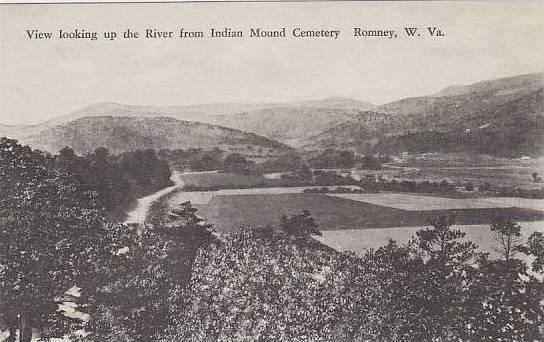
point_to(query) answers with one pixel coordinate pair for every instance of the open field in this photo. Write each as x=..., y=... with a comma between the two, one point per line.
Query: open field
x=509, y=176
x=229, y=212
x=478, y=170
x=466, y=160
x=358, y=241
x=349, y=221
x=203, y=197
x=461, y=169
x=213, y=179
x=412, y=202
x=504, y=176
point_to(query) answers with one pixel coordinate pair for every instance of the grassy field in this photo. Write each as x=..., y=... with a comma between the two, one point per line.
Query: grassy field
x=510, y=176
x=229, y=212
x=203, y=197
x=358, y=241
x=417, y=202
x=504, y=176
x=214, y=179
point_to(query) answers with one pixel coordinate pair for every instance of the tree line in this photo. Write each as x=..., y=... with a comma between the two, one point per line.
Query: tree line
x=118, y=179
x=217, y=159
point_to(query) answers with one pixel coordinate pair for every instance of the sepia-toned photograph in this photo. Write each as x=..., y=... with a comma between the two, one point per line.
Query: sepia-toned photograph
x=299, y=171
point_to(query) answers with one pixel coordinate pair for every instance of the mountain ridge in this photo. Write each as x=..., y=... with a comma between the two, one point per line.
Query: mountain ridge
x=121, y=134
x=505, y=113
x=273, y=120
x=345, y=123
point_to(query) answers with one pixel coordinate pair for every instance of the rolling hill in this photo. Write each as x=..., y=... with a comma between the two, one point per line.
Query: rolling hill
x=499, y=117
x=285, y=122
x=511, y=129
x=120, y=134
x=292, y=123
x=457, y=101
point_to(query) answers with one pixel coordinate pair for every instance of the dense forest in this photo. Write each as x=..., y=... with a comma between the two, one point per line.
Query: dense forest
x=179, y=280
x=117, y=179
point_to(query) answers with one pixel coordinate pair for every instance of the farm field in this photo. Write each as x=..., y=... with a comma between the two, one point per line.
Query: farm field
x=359, y=241
x=504, y=176
x=413, y=202
x=213, y=179
x=496, y=171
x=203, y=197
x=514, y=176
x=229, y=212
x=350, y=221
x=461, y=169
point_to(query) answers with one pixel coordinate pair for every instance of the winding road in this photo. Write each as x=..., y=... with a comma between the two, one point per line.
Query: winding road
x=139, y=213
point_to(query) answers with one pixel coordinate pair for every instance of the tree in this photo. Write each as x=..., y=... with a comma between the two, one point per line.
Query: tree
x=300, y=225
x=505, y=298
x=246, y=288
x=369, y=162
x=346, y=159
x=305, y=173
x=535, y=247
x=236, y=163
x=47, y=224
x=106, y=178
x=145, y=169
x=204, y=160
x=440, y=287
x=485, y=187
x=444, y=185
x=118, y=180
x=331, y=158
x=283, y=163
x=143, y=278
x=392, y=300
x=507, y=234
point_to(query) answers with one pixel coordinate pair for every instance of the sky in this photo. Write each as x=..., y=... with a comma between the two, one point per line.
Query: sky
x=42, y=79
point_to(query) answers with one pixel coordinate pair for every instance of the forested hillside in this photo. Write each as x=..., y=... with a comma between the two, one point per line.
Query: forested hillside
x=285, y=122
x=498, y=117
x=123, y=134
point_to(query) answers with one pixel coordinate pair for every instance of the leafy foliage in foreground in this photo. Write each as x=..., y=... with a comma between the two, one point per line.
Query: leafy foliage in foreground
x=262, y=287
x=48, y=224
x=143, y=276
x=248, y=288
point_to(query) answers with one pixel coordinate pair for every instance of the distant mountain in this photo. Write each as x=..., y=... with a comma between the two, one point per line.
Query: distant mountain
x=293, y=123
x=360, y=133
x=120, y=134
x=285, y=122
x=514, y=85
x=509, y=130
x=499, y=117
x=191, y=113
x=452, y=103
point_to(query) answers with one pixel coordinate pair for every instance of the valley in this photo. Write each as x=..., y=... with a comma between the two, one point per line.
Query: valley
x=255, y=201
x=469, y=151
x=379, y=213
